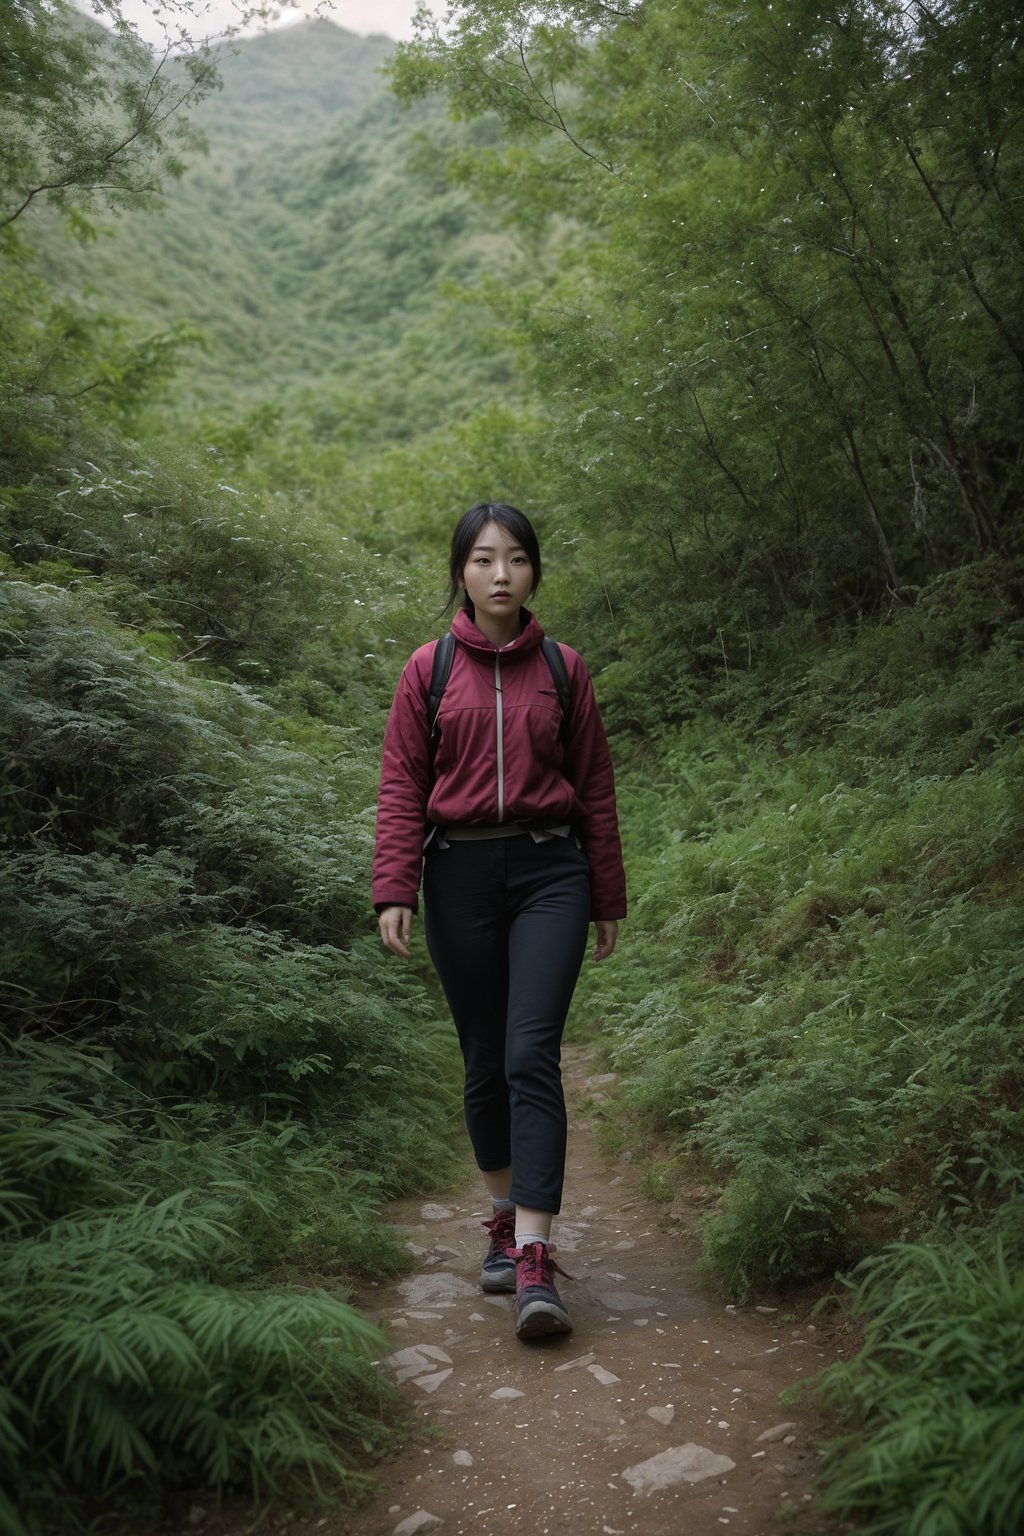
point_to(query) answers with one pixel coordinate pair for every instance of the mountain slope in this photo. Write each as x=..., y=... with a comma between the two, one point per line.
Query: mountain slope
x=311, y=249
x=290, y=81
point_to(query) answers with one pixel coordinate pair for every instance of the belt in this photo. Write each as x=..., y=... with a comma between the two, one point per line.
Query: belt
x=469, y=833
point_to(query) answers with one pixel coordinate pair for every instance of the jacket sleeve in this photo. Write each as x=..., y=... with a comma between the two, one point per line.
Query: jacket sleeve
x=593, y=778
x=404, y=787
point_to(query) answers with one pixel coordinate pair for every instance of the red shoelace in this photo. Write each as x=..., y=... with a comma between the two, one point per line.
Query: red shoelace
x=502, y=1227
x=535, y=1266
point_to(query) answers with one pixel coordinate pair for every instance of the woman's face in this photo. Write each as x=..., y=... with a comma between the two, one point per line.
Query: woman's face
x=498, y=575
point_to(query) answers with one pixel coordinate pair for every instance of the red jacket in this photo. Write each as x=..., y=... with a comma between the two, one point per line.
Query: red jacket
x=482, y=778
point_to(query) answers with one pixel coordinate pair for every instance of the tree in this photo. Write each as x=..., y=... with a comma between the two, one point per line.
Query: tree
x=89, y=115
x=781, y=332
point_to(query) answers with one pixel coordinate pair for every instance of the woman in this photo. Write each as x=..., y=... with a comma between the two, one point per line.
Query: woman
x=508, y=808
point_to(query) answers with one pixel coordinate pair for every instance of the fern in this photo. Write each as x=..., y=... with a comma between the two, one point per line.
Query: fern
x=133, y=1342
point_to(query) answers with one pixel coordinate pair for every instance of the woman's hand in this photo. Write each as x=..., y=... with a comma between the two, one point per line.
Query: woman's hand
x=607, y=933
x=396, y=930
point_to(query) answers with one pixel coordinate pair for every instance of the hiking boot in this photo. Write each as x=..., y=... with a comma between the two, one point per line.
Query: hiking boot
x=498, y=1274
x=539, y=1309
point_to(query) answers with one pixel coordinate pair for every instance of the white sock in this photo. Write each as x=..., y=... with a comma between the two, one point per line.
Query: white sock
x=502, y=1205
x=531, y=1237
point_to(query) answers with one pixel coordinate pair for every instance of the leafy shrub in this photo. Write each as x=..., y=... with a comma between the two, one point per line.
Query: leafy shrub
x=135, y=1355
x=242, y=580
x=936, y=1392
x=211, y=1079
x=826, y=1012
x=188, y=884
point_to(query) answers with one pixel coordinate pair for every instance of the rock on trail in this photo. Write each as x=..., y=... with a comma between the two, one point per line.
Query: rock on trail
x=659, y=1414
x=682, y=1464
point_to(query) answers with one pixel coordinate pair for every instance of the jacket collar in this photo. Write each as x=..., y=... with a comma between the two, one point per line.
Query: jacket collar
x=467, y=634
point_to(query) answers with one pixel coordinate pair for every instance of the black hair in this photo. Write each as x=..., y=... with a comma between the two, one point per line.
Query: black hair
x=467, y=531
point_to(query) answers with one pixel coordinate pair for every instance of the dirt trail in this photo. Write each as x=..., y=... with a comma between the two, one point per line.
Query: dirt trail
x=553, y=1436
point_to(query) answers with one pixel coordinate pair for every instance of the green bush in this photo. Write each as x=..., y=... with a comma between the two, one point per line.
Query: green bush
x=137, y=1354
x=186, y=882
x=212, y=1079
x=825, y=1012
x=935, y=1394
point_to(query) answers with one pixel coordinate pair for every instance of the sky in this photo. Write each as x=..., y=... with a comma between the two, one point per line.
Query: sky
x=210, y=18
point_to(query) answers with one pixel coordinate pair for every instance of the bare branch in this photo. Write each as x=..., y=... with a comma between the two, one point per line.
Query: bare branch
x=146, y=121
x=552, y=106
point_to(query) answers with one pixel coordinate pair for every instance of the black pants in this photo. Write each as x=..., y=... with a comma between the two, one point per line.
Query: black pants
x=506, y=925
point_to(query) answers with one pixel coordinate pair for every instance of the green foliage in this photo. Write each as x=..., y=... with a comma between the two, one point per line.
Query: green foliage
x=825, y=1005
x=247, y=581
x=817, y=1010
x=132, y=1353
x=183, y=894
x=201, y=879
x=780, y=357
x=88, y=117
x=936, y=1390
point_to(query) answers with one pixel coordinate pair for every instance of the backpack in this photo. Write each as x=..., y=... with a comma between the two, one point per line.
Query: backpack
x=444, y=653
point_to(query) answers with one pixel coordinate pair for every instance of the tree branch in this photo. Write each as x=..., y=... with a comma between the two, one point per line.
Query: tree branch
x=143, y=124
x=552, y=106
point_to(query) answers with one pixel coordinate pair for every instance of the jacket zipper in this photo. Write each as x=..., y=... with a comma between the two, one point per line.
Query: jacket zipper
x=501, y=749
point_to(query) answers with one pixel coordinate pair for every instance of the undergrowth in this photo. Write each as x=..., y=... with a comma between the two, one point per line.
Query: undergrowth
x=210, y=1081
x=935, y=1396
x=138, y=1348
x=817, y=1010
x=818, y=999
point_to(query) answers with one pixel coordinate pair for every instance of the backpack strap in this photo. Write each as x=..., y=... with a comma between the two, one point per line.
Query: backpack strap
x=560, y=677
x=444, y=652
x=440, y=671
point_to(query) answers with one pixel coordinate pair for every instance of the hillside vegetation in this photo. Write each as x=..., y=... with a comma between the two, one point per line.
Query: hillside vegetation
x=313, y=253
x=729, y=301
x=211, y=1079
x=291, y=83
